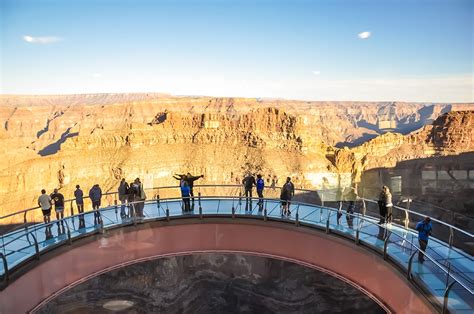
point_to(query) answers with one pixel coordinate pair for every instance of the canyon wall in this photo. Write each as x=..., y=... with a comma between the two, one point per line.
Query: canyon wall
x=61, y=141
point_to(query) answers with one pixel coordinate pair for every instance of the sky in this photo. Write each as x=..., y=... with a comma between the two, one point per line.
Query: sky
x=359, y=50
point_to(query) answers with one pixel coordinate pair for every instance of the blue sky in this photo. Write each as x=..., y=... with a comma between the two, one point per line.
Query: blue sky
x=417, y=50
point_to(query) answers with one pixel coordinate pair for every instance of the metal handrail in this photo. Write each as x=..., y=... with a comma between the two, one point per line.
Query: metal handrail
x=240, y=186
x=423, y=215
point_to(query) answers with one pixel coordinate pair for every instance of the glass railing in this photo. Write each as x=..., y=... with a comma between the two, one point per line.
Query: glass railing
x=447, y=275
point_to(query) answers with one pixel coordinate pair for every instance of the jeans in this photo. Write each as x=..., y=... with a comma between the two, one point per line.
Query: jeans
x=248, y=194
x=423, y=244
x=187, y=204
x=123, y=200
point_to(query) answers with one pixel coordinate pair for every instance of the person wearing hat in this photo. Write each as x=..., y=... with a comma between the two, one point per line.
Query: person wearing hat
x=424, y=231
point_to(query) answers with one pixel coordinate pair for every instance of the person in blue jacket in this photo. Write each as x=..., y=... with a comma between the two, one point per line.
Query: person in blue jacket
x=260, y=186
x=185, y=194
x=424, y=231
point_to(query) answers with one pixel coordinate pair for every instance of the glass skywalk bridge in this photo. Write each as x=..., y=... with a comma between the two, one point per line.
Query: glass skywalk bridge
x=446, y=277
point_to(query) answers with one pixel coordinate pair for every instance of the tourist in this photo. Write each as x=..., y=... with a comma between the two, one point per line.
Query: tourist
x=248, y=183
x=95, y=194
x=274, y=182
x=44, y=201
x=385, y=205
x=123, y=196
x=139, y=197
x=190, y=180
x=351, y=196
x=382, y=206
x=79, y=195
x=185, y=193
x=130, y=199
x=424, y=231
x=260, y=186
x=388, y=204
x=58, y=199
x=288, y=191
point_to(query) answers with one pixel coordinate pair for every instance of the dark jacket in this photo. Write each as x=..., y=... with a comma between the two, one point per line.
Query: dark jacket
x=95, y=193
x=287, y=191
x=123, y=188
x=190, y=180
x=249, y=182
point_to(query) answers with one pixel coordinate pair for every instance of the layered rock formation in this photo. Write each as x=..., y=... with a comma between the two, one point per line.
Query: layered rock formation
x=61, y=141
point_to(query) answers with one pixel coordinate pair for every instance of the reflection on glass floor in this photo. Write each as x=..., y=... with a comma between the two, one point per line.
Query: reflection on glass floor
x=444, y=265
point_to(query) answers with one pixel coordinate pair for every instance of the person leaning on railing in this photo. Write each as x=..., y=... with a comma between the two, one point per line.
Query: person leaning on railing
x=79, y=195
x=95, y=194
x=45, y=202
x=123, y=196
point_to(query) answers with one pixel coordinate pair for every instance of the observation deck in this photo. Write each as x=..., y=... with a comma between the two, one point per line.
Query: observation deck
x=354, y=248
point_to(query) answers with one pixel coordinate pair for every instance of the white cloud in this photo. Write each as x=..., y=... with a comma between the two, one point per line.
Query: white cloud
x=364, y=35
x=316, y=72
x=42, y=39
x=96, y=75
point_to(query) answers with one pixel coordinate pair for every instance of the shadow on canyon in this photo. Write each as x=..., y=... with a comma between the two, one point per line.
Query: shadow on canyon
x=53, y=148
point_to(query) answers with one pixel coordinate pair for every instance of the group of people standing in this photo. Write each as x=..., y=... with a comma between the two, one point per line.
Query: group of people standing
x=129, y=194
x=287, y=193
x=186, y=184
x=46, y=202
x=133, y=196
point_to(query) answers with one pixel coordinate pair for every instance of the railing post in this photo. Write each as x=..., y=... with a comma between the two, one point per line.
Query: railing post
x=199, y=199
x=115, y=206
x=451, y=237
x=200, y=210
x=364, y=208
x=36, y=246
x=5, y=268
x=69, y=238
x=385, y=244
x=101, y=229
x=357, y=237
x=24, y=217
x=233, y=212
x=167, y=214
x=265, y=211
x=327, y=222
x=447, y=275
x=446, y=297
x=407, y=216
x=322, y=198
x=240, y=197
x=297, y=220
x=158, y=200
x=410, y=263
x=72, y=208
x=134, y=214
